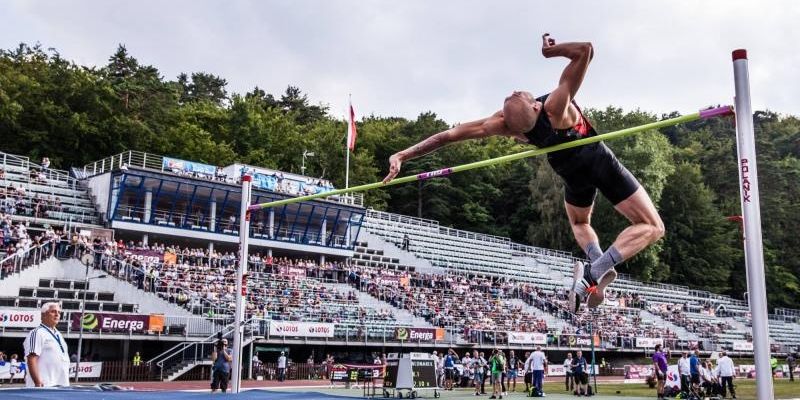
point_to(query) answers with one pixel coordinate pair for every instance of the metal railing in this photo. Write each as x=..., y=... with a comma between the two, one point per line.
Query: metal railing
x=155, y=162
x=11, y=160
x=183, y=353
x=16, y=262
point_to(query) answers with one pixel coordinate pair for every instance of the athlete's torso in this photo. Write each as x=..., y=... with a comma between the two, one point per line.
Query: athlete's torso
x=544, y=134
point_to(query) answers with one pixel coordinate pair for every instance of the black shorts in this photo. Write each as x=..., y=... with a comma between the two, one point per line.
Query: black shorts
x=696, y=378
x=582, y=378
x=449, y=373
x=592, y=167
x=528, y=378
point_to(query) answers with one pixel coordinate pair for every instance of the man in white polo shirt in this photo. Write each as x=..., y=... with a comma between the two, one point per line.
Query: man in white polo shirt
x=726, y=371
x=46, y=351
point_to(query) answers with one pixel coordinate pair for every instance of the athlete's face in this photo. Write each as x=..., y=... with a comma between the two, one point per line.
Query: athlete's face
x=520, y=111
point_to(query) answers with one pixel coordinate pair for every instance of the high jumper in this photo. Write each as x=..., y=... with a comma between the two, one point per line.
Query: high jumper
x=554, y=119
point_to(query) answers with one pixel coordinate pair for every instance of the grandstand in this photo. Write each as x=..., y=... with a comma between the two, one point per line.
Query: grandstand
x=164, y=232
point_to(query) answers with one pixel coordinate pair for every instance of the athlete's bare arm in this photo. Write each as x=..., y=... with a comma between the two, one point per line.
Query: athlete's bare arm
x=489, y=126
x=558, y=106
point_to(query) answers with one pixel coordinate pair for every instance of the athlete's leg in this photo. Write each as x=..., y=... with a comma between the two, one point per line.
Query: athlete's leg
x=580, y=222
x=646, y=225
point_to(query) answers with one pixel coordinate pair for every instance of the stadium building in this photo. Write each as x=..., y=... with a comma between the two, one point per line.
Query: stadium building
x=141, y=250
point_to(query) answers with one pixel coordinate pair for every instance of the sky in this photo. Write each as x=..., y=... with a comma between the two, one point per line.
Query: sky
x=456, y=58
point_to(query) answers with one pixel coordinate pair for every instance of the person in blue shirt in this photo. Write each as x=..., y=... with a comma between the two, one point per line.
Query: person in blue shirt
x=694, y=368
x=221, y=369
x=449, y=369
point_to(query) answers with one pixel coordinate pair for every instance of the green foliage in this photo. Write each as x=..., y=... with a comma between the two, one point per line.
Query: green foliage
x=50, y=106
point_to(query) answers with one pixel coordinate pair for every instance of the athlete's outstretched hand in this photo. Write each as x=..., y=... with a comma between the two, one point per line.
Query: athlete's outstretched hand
x=394, y=167
x=547, y=45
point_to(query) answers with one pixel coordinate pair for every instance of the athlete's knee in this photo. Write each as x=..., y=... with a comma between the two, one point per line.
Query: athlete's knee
x=657, y=230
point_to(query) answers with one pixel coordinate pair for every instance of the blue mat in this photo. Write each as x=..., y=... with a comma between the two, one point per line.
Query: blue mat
x=97, y=394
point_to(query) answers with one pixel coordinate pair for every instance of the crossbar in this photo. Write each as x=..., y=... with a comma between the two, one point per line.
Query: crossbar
x=714, y=112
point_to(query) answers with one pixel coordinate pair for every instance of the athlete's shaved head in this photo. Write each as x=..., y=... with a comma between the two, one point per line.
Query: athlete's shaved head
x=520, y=111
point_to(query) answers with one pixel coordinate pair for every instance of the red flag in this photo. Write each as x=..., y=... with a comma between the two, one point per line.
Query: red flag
x=351, y=129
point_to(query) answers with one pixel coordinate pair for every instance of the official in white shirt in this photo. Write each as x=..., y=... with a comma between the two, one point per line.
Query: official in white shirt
x=726, y=371
x=46, y=351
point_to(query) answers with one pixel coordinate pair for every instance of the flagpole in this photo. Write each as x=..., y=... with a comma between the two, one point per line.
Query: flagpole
x=347, y=143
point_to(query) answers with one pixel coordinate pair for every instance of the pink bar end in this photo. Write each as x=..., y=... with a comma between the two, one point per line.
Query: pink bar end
x=716, y=112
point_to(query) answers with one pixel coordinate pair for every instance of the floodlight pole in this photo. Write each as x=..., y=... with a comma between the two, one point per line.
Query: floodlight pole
x=751, y=213
x=241, y=285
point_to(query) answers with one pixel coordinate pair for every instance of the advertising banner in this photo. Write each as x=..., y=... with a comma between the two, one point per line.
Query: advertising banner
x=177, y=165
x=5, y=371
x=88, y=369
x=559, y=370
x=419, y=334
x=301, y=329
x=648, y=342
x=741, y=345
x=349, y=372
x=580, y=341
x=527, y=338
x=108, y=322
x=148, y=256
x=19, y=319
x=156, y=322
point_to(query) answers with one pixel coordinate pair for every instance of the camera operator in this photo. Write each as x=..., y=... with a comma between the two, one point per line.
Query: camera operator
x=221, y=369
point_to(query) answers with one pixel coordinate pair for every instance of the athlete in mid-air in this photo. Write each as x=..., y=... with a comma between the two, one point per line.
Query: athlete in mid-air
x=549, y=120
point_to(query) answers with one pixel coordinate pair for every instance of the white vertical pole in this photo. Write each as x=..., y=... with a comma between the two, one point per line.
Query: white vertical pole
x=751, y=213
x=241, y=288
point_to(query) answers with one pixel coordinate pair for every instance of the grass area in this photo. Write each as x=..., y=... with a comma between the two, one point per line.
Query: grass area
x=745, y=389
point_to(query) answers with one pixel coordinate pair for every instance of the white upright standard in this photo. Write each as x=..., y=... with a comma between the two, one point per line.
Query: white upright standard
x=241, y=285
x=751, y=213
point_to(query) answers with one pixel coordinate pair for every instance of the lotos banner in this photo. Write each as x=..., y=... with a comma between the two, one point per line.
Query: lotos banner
x=108, y=322
x=19, y=319
x=88, y=369
x=527, y=338
x=648, y=342
x=419, y=334
x=301, y=329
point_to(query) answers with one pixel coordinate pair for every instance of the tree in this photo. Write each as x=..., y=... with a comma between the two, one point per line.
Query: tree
x=696, y=247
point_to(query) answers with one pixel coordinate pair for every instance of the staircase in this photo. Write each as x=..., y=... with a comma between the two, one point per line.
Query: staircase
x=403, y=317
x=679, y=330
x=380, y=248
x=552, y=321
x=185, y=356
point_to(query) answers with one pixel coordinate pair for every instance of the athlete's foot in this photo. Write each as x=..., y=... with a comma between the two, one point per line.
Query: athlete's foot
x=582, y=285
x=596, y=298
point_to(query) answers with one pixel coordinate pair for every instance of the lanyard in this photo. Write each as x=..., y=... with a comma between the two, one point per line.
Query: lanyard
x=55, y=336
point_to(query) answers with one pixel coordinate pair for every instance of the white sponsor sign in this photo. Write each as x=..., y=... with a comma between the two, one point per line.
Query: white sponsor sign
x=648, y=342
x=5, y=371
x=741, y=345
x=527, y=338
x=19, y=319
x=88, y=369
x=559, y=370
x=301, y=329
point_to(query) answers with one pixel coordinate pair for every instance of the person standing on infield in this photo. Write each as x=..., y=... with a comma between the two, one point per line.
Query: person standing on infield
x=497, y=364
x=569, y=384
x=46, y=351
x=282, y=367
x=554, y=119
x=726, y=371
x=538, y=367
x=660, y=368
x=221, y=369
x=683, y=371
